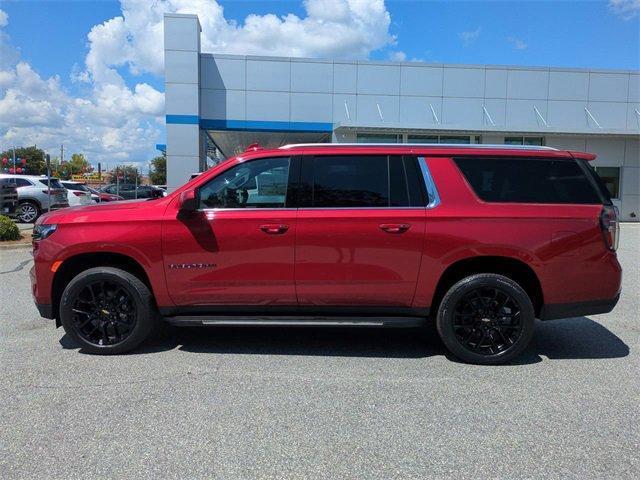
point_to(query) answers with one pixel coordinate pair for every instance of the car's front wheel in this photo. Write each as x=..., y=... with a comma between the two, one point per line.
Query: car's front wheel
x=107, y=310
x=486, y=319
x=28, y=212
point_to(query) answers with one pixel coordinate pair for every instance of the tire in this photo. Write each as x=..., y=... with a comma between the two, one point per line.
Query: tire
x=93, y=301
x=483, y=327
x=28, y=212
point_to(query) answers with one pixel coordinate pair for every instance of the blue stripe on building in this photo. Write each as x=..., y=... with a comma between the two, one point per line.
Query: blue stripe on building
x=183, y=119
x=265, y=126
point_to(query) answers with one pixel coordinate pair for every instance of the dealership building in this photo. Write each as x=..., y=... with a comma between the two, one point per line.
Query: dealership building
x=217, y=104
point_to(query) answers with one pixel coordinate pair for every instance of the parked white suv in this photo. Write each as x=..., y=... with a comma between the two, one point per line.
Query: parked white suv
x=33, y=196
x=78, y=193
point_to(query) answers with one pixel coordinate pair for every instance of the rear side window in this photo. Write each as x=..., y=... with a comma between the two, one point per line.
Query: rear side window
x=361, y=181
x=524, y=180
x=55, y=183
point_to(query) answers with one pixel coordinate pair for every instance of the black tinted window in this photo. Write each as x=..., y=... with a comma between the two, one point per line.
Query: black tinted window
x=361, y=181
x=357, y=181
x=55, y=183
x=398, y=191
x=415, y=182
x=528, y=180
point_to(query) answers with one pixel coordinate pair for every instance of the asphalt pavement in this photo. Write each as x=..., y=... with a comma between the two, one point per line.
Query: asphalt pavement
x=316, y=403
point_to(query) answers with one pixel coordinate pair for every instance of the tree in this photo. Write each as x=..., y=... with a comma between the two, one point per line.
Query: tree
x=125, y=174
x=34, y=156
x=158, y=174
x=76, y=166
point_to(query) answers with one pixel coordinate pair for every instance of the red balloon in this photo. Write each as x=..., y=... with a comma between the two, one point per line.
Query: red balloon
x=19, y=169
x=11, y=170
x=24, y=161
x=5, y=160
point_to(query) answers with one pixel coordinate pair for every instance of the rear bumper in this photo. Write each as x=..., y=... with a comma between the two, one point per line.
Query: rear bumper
x=570, y=310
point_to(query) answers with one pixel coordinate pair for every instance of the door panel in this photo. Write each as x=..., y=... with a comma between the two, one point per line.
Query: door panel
x=345, y=257
x=360, y=230
x=238, y=249
x=224, y=257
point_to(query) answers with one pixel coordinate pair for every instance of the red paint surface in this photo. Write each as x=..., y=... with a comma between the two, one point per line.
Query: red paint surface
x=338, y=256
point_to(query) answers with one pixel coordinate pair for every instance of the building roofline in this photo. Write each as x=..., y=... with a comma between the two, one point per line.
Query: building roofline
x=423, y=64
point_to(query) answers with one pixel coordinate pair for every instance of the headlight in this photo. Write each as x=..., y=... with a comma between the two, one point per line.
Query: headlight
x=40, y=232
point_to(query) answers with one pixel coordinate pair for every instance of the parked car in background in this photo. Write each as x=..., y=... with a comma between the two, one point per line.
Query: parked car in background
x=77, y=193
x=8, y=197
x=33, y=196
x=130, y=191
x=483, y=239
x=103, y=196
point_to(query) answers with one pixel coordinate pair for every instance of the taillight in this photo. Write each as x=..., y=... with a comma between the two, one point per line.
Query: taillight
x=610, y=226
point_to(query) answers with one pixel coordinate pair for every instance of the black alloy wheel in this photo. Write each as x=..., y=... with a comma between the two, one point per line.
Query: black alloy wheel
x=104, y=313
x=107, y=310
x=486, y=319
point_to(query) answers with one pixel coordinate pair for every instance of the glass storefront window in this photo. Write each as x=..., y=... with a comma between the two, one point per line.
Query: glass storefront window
x=537, y=141
x=455, y=139
x=422, y=139
x=378, y=138
x=458, y=139
x=611, y=178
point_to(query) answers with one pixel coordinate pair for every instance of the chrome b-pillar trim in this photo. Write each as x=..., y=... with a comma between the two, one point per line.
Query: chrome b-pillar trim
x=432, y=191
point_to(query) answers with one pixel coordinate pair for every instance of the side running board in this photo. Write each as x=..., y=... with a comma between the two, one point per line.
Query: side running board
x=293, y=321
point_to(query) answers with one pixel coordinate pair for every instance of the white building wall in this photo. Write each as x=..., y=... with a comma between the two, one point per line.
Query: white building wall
x=182, y=97
x=577, y=109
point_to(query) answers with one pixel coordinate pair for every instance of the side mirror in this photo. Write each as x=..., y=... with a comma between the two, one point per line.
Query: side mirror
x=188, y=201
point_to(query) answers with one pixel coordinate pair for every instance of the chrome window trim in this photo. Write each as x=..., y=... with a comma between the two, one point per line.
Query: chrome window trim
x=236, y=209
x=432, y=191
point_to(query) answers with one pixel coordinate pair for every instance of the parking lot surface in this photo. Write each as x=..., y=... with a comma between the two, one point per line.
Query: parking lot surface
x=316, y=403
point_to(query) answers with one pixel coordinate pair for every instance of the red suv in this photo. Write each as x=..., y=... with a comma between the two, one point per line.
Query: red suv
x=484, y=239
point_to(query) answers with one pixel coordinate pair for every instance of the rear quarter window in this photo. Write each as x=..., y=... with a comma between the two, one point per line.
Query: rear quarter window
x=55, y=183
x=528, y=180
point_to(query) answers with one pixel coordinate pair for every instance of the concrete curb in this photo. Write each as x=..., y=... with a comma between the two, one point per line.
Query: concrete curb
x=15, y=246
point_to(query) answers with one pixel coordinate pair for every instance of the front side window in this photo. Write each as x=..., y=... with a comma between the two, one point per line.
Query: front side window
x=524, y=180
x=21, y=182
x=259, y=183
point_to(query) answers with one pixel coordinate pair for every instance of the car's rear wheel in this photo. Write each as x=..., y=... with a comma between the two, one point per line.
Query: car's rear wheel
x=107, y=310
x=28, y=212
x=486, y=319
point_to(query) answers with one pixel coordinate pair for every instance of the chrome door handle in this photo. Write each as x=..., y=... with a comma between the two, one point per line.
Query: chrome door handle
x=395, y=227
x=274, y=228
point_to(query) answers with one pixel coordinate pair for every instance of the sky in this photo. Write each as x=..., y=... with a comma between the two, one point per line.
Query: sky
x=89, y=74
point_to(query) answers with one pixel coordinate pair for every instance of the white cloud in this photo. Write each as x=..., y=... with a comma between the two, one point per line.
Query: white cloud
x=398, y=56
x=114, y=119
x=470, y=36
x=627, y=9
x=517, y=43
